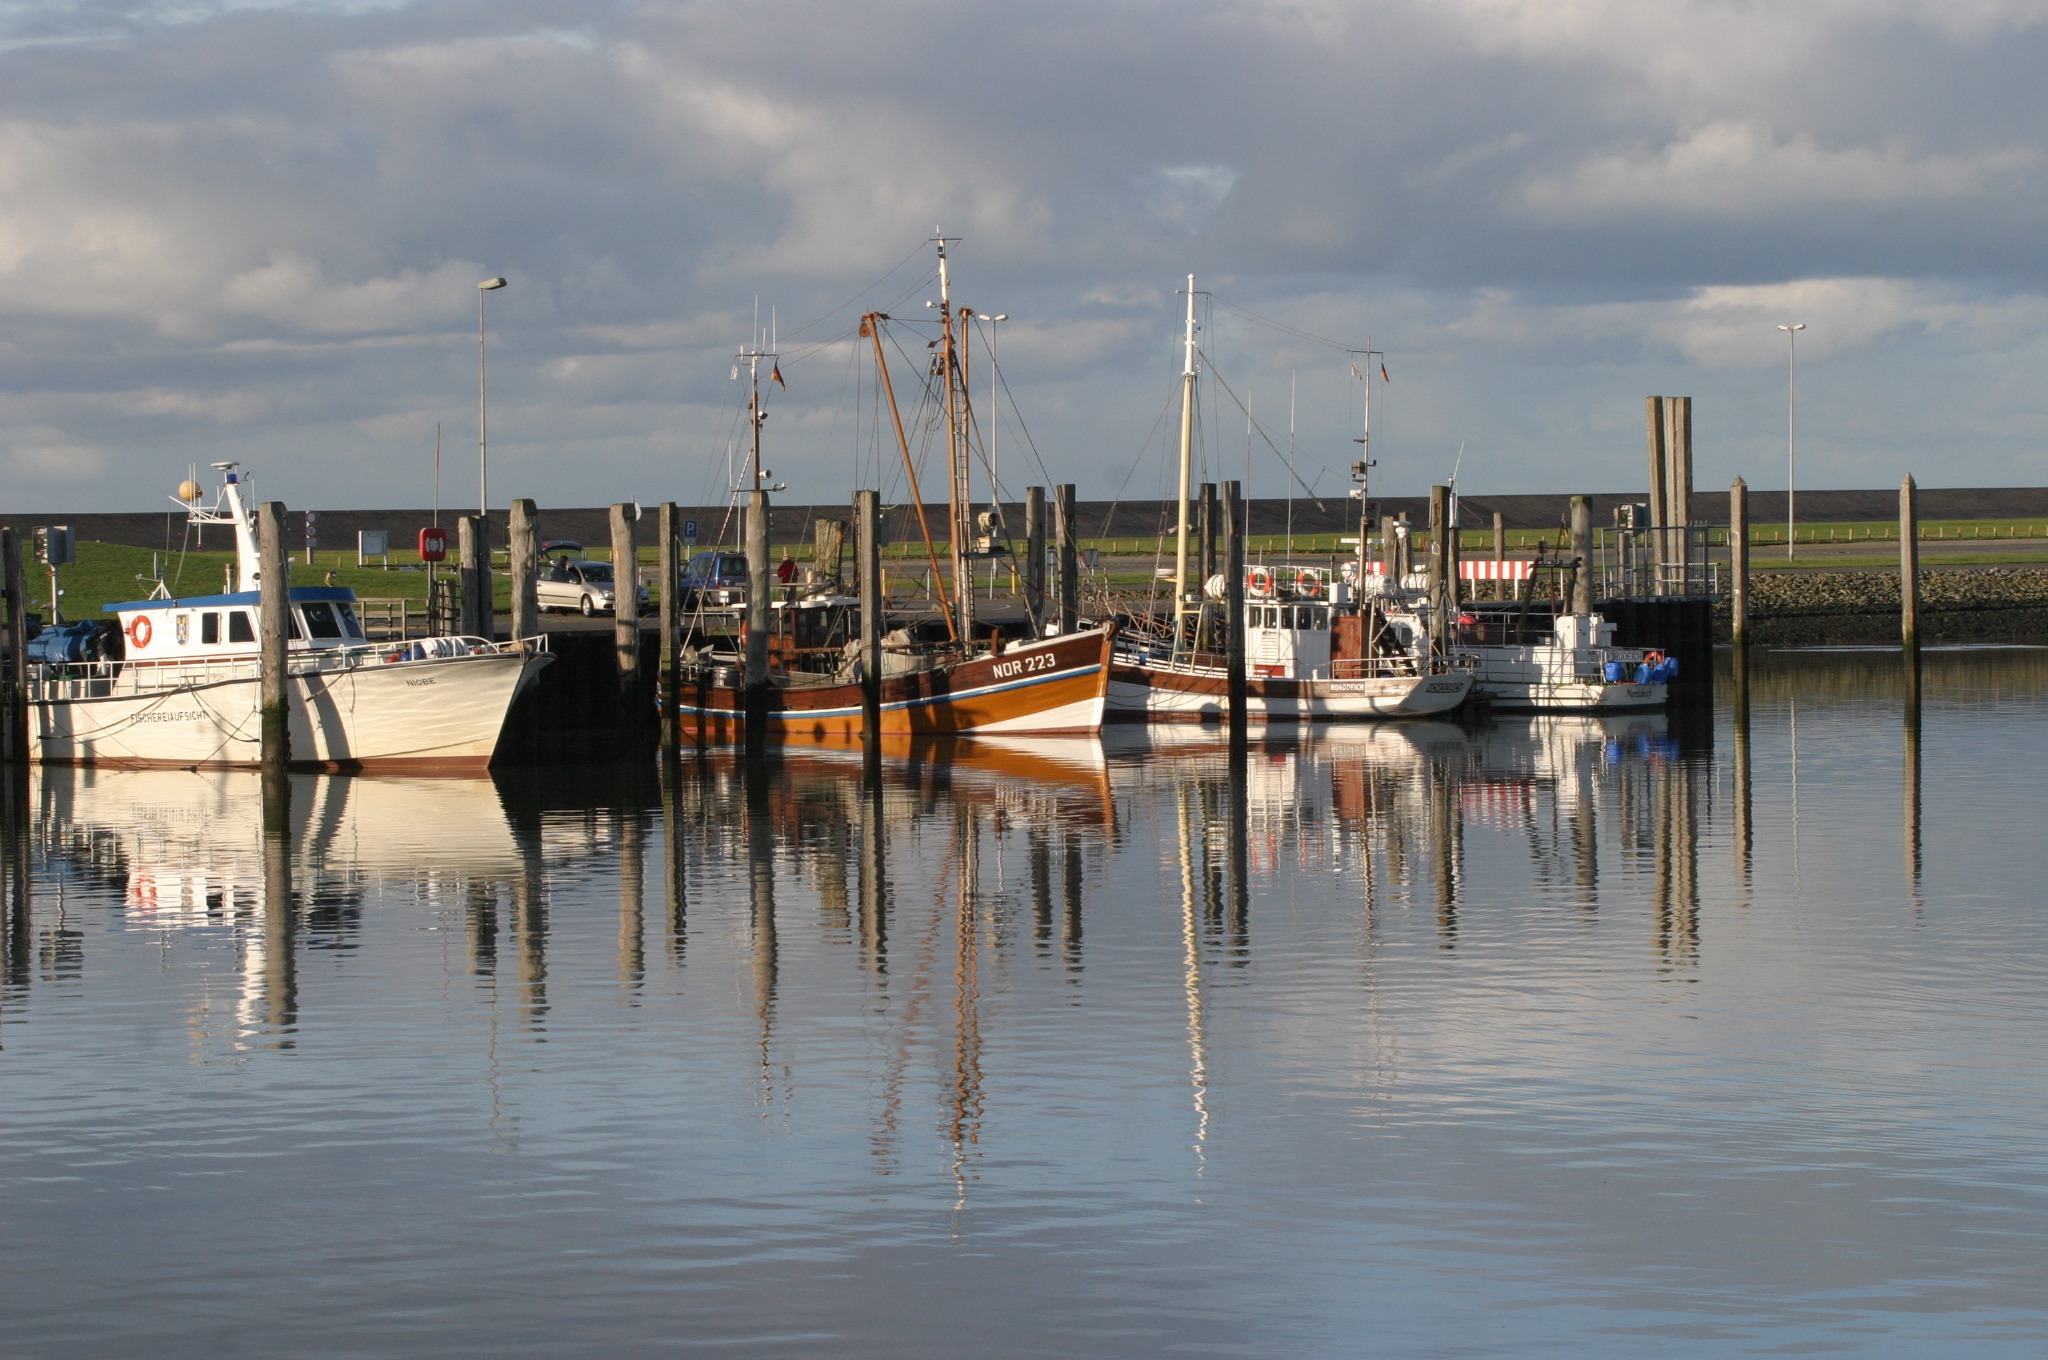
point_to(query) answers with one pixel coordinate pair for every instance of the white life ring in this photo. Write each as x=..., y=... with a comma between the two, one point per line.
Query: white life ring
x=1307, y=583
x=139, y=630
x=1261, y=583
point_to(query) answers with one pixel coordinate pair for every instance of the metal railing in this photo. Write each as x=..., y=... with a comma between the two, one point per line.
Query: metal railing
x=97, y=679
x=392, y=620
x=1689, y=560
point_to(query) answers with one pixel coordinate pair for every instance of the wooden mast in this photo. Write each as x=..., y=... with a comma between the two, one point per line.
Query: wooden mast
x=1187, y=455
x=961, y=529
x=871, y=326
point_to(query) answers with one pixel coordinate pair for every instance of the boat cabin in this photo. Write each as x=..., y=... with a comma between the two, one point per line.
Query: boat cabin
x=211, y=627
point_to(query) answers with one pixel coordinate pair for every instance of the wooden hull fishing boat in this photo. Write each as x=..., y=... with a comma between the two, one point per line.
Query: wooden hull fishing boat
x=797, y=658
x=1057, y=686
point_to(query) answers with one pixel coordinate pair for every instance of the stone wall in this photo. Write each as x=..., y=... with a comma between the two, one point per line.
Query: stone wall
x=1957, y=604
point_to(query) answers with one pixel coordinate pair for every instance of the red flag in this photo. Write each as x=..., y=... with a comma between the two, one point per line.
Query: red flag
x=776, y=373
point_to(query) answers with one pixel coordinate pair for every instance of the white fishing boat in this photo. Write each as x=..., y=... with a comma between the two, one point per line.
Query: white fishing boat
x=1312, y=651
x=179, y=683
x=1311, y=655
x=1525, y=660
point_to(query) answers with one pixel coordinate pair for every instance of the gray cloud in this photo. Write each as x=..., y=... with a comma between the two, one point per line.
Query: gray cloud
x=253, y=231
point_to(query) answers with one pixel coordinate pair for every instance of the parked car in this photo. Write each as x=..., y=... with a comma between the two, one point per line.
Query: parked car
x=584, y=586
x=711, y=579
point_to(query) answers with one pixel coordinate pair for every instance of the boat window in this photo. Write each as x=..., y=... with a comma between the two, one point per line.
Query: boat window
x=209, y=627
x=346, y=612
x=320, y=620
x=239, y=627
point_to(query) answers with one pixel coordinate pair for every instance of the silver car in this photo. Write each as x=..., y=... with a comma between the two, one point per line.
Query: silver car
x=584, y=586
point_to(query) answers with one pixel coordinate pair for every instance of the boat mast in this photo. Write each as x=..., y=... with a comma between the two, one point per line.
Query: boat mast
x=956, y=456
x=1187, y=458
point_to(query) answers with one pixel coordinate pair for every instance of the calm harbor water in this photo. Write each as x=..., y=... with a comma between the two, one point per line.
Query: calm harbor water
x=1542, y=1036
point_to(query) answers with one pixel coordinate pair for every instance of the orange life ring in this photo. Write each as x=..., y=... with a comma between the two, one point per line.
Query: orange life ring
x=1308, y=583
x=1653, y=657
x=139, y=630
x=1261, y=582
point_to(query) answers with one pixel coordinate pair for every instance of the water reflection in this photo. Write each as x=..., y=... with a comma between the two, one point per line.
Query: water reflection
x=1160, y=989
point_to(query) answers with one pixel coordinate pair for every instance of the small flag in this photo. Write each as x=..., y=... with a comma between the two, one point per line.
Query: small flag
x=1383, y=374
x=1356, y=374
x=776, y=373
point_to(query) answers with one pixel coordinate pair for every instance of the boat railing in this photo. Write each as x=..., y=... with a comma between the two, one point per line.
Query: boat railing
x=96, y=679
x=1368, y=668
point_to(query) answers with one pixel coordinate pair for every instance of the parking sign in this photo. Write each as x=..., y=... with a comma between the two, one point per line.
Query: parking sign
x=689, y=531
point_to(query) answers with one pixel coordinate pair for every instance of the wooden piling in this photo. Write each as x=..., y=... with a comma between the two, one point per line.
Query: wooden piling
x=274, y=607
x=670, y=665
x=1439, y=597
x=828, y=539
x=1034, y=566
x=1909, y=566
x=1500, y=555
x=626, y=600
x=15, y=587
x=873, y=609
x=1065, y=517
x=522, y=533
x=1738, y=569
x=1660, y=468
x=474, y=548
x=758, y=577
x=1582, y=554
x=1233, y=601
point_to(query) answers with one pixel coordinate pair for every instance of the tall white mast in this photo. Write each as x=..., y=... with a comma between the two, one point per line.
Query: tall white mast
x=1187, y=459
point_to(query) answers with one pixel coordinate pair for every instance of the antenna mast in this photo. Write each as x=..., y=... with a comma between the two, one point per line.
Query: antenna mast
x=1187, y=458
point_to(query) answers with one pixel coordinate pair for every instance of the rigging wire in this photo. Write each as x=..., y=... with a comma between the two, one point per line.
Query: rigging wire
x=1295, y=331
x=1285, y=461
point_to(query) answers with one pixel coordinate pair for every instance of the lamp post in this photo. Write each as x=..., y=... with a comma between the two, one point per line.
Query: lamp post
x=995, y=485
x=1791, y=429
x=483, y=474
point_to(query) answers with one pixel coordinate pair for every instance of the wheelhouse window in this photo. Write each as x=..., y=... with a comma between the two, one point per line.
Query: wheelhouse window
x=320, y=620
x=350, y=626
x=240, y=629
x=209, y=628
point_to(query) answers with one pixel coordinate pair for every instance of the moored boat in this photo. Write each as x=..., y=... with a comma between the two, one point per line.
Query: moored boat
x=179, y=682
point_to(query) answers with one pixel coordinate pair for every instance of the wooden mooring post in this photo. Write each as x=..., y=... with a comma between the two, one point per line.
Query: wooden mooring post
x=522, y=534
x=1439, y=566
x=15, y=740
x=1738, y=569
x=1034, y=564
x=755, y=677
x=1500, y=555
x=867, y=514
x=626, y=600
x=1582, y=554
x=474, y=547
x=670, y=665
x=274, y=607
x=1909, y=566
x=1233, y=603
x=1065, y=516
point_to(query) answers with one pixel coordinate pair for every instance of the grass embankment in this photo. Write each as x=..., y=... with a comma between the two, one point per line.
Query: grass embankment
x=107, y=573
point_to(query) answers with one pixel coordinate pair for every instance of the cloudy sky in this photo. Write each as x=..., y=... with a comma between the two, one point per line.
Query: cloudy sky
x=253, y=231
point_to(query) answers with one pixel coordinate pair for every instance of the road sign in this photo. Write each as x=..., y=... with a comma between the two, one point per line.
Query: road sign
x=689, y=531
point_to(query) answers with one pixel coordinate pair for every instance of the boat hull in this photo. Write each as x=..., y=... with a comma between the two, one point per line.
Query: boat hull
x=1537, y=696
x=1057, y=687
x=435, y=715
x=1150, y=691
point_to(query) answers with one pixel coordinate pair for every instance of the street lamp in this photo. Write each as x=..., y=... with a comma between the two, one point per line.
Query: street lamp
x=483, y=477
x=995, y=485
x=1791, y=374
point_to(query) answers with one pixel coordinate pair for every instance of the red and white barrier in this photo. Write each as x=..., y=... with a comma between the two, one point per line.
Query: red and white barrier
x=1486, y=569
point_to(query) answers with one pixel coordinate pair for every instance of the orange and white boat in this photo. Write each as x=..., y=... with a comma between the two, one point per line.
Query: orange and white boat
x=1053, y=687
x=965, y=683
